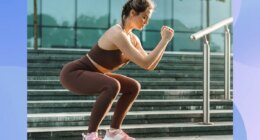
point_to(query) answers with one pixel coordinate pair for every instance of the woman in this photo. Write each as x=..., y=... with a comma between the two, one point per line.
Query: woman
x=92, y=74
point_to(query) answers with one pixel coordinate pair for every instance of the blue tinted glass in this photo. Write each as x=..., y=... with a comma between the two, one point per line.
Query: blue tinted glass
x=182, y=42
x=58, y=37
x=58, y=12
x=30, y=37
x=116, y=9
x=86, y=38
x=187, y=15
x=138, y=33
x=150, y=39
x=162, y=15
x=92, y=13
x=217, y=42
x=219, y=10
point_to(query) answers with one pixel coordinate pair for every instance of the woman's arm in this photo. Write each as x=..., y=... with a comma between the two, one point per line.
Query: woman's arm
x=144, y=53
x=154, y=65
x=122, y=41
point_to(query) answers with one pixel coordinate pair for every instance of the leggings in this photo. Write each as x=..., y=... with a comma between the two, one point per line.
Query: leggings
x=83, y=78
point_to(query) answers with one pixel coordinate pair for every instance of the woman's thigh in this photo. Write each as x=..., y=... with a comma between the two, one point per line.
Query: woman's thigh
x=86, y=82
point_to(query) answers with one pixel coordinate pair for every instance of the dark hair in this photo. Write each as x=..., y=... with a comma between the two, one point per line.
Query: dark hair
x=137, y=5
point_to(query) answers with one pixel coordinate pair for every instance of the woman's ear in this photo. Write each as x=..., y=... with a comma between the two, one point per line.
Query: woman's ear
x=133, y=13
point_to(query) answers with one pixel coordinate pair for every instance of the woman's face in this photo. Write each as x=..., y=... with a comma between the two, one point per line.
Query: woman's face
x=142, y=19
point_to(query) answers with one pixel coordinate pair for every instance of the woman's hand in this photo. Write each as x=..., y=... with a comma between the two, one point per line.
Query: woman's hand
x=167, y=33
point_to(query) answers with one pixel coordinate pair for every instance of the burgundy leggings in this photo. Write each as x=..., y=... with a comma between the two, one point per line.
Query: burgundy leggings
x=81, y=77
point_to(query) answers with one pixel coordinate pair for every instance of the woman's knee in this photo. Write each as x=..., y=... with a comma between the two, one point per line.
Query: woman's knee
x=135, y=87
x=112, y=87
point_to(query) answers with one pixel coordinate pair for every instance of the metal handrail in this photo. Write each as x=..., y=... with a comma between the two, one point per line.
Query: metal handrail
x=206, y=69
x=212, y=28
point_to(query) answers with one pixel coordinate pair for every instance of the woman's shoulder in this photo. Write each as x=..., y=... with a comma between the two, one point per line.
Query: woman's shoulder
x=114, y=32
x=115, y=28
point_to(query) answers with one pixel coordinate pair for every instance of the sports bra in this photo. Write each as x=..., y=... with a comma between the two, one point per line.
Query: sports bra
x=108, y=59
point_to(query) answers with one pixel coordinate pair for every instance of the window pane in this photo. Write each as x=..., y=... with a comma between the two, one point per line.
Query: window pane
x=217, y=42
x=188, y=15
x=57, y=38
x=150, y=39
x=30, y=9
x=86, y=38
x=161, y=16
x=30, y=37
x=93, y=13
x=58, y=12
x=182, y=42
x=138, y=33
x=116, y=9
x=219, y=10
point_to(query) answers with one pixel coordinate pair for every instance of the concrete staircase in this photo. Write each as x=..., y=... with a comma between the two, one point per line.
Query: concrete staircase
x=169, y=105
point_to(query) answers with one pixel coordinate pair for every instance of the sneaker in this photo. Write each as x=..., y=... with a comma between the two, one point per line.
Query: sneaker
x=91, y=136
x=117, y=135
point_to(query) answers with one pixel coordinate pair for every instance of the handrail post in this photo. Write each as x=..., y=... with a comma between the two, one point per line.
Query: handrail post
x=206, y=82
x=227, y=63
x=206, y=65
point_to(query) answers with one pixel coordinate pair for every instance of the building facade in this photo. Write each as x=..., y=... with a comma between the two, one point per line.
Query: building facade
x=79, y=23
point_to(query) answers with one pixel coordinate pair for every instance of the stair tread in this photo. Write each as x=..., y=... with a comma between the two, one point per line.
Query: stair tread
x=128, y=126
x=129, y=113
x=152, y=90
x=138, y=100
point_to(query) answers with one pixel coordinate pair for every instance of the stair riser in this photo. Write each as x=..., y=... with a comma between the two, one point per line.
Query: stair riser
x=107, y=122
x=43, y=59
x=78, y=54
x=143, y=87
x=130, y=119
x=87, y=108
x=66, y=95
x=130, y=66
x=75, y=97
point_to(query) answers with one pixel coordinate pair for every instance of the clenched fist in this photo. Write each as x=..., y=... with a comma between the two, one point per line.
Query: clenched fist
x=167, y=33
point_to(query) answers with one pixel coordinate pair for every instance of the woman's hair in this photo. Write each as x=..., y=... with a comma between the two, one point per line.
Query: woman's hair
x=137, y=5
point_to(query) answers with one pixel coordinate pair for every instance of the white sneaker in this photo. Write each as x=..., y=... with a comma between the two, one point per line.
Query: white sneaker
x=91, y=136
x=117, y=135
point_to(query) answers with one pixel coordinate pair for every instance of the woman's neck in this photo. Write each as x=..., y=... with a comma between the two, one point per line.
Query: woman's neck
x=127, y=27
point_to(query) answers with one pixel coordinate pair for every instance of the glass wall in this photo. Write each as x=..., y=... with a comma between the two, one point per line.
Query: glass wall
x=80, y=23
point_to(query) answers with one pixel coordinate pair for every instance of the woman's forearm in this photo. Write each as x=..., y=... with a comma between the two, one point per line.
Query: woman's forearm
x=156, y=54
x=154, y=65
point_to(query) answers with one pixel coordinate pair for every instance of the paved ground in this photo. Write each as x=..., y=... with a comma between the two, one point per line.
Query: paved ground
x=221, y=137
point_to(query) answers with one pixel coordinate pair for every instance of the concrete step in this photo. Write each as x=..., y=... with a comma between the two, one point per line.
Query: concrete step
x=49, y=106
x=54, y=59
x=134, y=130
x=133, y=117
x=55, y=84
x=50, y=72
x=73, y=54
x=139, y=78
x=144, y=74
x=63, y=94
x=131, y=66
x=136, y=71
x=81, y=52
